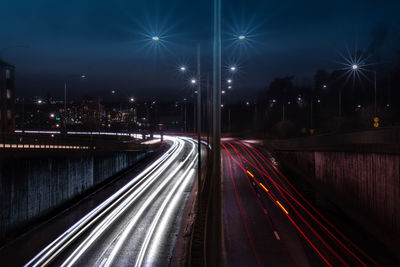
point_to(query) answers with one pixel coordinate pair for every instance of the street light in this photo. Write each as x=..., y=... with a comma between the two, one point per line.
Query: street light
x=193, y=81
x=229, y=80
x=356, y=67
x=229, y=87
x=155, y=38
x=132, y=99
x=233, y=68
x=183, y=68
x=242, y=37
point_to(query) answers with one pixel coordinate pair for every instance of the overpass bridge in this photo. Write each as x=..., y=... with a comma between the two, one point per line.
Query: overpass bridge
x=290, y=202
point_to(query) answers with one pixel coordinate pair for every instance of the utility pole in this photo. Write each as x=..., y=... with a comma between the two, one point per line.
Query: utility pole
x=65, y=107
x=216, y=94
x=198, y=125
x=375, y=108
x=213, y=245
x=208, y=110
x=185, y=116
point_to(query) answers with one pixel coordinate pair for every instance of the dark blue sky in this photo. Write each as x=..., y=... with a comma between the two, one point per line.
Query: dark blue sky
x=107, y=41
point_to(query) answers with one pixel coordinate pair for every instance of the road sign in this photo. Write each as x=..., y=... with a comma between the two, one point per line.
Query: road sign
x=376, y=122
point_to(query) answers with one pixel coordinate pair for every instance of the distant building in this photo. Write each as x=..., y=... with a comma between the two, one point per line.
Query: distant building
x=7, y=111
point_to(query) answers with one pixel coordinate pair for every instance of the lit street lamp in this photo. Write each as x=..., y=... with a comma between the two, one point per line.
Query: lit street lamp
x=356, y=67
x=233, y=68
x=242, y=37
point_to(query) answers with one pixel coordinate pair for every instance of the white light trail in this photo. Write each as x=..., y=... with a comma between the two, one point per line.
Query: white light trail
x=117, y=211
x=143, y=208
x=54, y=248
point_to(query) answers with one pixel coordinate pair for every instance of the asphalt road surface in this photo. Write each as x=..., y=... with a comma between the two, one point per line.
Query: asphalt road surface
x=136, y=226
x=268, y=222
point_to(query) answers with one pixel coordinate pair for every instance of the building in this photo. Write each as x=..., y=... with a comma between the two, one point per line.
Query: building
x=7, y=110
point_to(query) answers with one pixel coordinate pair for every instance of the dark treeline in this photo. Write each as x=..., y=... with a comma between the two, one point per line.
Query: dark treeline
x=334, y=101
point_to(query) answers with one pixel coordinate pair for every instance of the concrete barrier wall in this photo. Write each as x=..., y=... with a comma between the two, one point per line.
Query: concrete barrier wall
x=365, y=184
x=34, y=187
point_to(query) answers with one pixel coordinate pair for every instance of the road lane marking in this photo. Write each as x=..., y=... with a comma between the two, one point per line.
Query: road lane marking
x=277, y=235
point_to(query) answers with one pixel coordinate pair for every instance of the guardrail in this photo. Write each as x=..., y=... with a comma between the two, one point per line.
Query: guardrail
x=42, y=139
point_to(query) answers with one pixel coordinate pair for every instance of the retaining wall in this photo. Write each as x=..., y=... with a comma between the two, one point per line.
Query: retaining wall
x=33, y=187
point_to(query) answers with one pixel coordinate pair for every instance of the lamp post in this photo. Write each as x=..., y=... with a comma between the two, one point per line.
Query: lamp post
x=213, y=247
x=375, y=108
x=356, y=67
x=199, y=126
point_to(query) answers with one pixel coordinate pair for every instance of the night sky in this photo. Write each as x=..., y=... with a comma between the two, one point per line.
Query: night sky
x=109, y=42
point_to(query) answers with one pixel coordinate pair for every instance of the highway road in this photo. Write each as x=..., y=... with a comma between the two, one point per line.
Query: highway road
x=268, y=222
x=136, y=226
